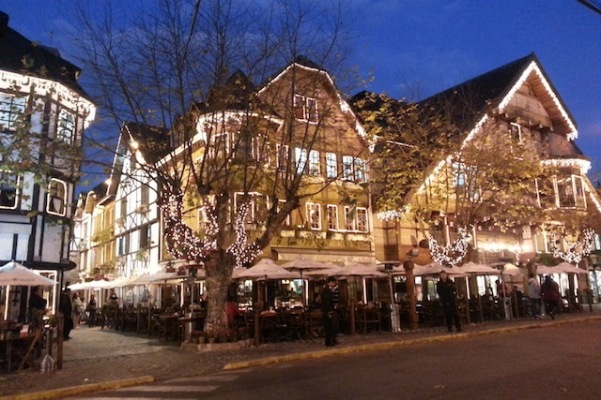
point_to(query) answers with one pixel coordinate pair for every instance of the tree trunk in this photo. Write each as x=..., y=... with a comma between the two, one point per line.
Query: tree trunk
x=219, y=266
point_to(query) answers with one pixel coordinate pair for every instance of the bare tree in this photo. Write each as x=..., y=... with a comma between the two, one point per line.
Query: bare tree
x=189, y=68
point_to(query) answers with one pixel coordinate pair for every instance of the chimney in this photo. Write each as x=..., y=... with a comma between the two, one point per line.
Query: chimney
x=3, y=23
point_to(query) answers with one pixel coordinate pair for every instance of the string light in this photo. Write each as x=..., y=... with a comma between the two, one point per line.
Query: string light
x=450, y=255
x=185, y=244
x=240, y=249
x=576, y=250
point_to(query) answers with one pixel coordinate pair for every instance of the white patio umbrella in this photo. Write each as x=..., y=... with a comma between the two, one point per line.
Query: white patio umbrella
x=513, y=270
x=567, y=268
x=360, y=270
x=266, y=269
x=15, y=274
x=96, y=284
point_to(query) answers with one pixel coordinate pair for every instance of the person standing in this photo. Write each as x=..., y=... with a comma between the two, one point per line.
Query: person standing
x=447, y=292
x=66, y=308
x=329, y=307
x=550, y=294
x=534, y=295
x=91, y=311
x=78, y=310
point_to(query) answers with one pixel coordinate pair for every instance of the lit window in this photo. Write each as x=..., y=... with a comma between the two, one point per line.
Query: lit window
x=9, y=192
x=314, y=215
x=287, y=220
x=359, y=170
x=332, y=217
x=56, y=199
x=331, y=166
x=66, y=125
x=219, y=146
x=11, y=108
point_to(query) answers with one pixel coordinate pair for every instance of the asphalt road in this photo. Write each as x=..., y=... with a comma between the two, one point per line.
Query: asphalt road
x=558, y=362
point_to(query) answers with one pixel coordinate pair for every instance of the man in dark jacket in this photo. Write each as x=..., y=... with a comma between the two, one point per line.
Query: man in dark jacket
x=447, y=292
x=329, y=306
x=66, y=308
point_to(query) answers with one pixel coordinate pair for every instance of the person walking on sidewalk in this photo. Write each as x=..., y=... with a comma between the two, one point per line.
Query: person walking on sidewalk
x=447, y=292
x=550, y=295
x=329, y=307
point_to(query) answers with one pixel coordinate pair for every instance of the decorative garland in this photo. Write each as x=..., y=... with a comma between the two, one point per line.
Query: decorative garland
x=185, y=244
x=240, y=249
x=450, y=255
x=573, y=255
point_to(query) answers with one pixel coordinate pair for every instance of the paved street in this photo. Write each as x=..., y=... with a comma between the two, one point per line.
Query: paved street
x=556, y=362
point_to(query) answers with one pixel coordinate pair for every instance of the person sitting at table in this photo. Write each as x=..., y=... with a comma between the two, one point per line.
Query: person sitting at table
x=232, y=312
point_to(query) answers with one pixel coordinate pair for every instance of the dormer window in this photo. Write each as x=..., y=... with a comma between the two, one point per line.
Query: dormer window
x=305, y=108
x=56, y=198
x=11, y=109
x=66, y=127
x=515, y=130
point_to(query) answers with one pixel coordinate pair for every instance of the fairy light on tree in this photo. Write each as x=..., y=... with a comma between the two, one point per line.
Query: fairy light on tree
x=451, y=254
x=243, y=252
x=576, y=250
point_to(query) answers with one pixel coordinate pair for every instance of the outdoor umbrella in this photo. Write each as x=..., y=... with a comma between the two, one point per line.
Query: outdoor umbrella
x=512, y=270
x=97, y=284
x=567, y=268
x=15, y=274
x=266, y=269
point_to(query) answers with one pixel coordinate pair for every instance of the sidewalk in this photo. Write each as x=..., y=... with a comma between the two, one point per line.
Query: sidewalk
x=98, y=359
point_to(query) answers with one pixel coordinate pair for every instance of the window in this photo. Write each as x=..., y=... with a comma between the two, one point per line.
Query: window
x=515, y=131
x=314, y=167
x=66, y=124
x=579, y=195
x=359, y=170
x=56, y=198
x=565, y=192
x=246, y=146
x=305, y=108
x=144, y=195
x=332, y=217
x=347, y=168
x=287, y=220
x=219, y=146
x=545, y=193
x=9, y=192
x=300, y=158
x=464, y=181
x=349, y=218
x=122, y=245
x=331, y=166
x=11, y=108
x=314, y=215
x=283, y=155
x=362, y=225
x=144, y=237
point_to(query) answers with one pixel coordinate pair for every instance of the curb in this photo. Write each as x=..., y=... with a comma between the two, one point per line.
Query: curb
x=77, y=390
x=395, y=344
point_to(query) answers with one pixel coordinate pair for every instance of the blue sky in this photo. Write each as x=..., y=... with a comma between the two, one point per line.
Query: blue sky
x=416, y=48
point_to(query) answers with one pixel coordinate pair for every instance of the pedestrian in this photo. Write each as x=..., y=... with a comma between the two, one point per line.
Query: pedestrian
x=551, y=296
x=329, y=307
x=534, y=295
x=447, y=292
x=66, y=308
x=78, y=310
x=91, y=308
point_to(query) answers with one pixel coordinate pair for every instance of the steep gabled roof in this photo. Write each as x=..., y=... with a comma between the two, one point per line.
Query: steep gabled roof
x=153, y=141
x=22, y=56
x=467, y=102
